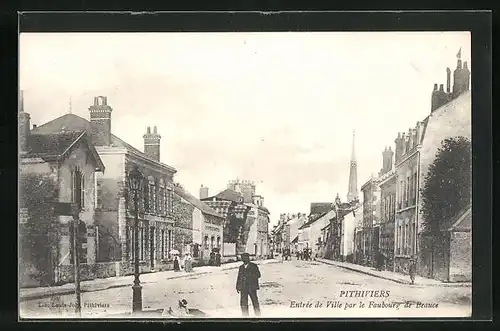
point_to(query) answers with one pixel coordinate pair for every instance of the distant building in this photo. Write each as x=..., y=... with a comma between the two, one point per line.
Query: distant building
x=371, y=221
x=199, y=227
x=347, y=235
x=352, y=192
x=246, y=220
x=387, y=184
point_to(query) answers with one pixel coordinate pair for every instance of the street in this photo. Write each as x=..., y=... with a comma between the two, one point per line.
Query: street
x=290, y=289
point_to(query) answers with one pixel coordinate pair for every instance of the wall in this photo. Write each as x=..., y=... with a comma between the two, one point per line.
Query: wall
x=461, y=257
x=451, y=120
x=79, y=157
x=107, y=205
x=315, y=230
x=348, y=227
x=183, y=223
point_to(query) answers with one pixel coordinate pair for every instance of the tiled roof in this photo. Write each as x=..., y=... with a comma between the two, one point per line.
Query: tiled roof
x=77, y=123
x=51, y=146
x=230, y=195
x=205, y=209
x=320, y=207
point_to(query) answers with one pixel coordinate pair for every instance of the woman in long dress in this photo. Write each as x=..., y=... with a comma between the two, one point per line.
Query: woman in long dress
x=176, y=264
x=188, y=263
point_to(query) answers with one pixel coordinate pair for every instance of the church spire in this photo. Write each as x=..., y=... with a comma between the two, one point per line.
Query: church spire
x=352, y=193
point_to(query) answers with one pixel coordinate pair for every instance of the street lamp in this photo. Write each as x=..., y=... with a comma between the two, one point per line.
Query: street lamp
x=135, y=179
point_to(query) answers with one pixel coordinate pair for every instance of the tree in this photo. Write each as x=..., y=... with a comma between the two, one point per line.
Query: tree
x=38, y=230
x=447, y=188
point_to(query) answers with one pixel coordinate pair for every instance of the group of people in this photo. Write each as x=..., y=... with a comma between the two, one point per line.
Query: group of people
x=305, y=254
x=186, y=263
x=215, y=258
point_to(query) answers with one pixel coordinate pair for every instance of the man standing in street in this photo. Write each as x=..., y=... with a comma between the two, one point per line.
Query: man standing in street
x=247, y=285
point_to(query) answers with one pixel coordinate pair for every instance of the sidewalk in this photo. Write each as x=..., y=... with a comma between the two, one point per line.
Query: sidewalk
x=393, y=276
x=123, y=281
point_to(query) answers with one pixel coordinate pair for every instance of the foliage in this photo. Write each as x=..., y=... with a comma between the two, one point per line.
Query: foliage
x=233, y=228
x=39, y=232
x=447, y=188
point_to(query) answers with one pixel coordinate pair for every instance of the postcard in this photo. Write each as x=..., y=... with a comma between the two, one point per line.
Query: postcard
x=242, y=175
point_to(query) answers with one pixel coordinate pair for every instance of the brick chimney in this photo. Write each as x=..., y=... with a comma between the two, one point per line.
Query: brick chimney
x=152, y=144
x=100, y=121
x=203, y=192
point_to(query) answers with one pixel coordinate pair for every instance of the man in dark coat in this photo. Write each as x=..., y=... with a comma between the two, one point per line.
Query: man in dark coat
x=247, y=285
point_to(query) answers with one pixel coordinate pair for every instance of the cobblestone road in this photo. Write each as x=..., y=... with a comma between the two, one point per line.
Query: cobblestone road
x=290, y=289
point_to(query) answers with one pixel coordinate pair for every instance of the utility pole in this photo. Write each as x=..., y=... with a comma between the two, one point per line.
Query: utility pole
x=75, y=208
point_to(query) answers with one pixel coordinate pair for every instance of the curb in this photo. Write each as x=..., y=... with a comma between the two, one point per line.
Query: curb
x=399, y=281
x=71, y=291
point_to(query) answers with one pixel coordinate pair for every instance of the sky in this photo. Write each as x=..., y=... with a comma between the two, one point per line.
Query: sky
x=276, y=108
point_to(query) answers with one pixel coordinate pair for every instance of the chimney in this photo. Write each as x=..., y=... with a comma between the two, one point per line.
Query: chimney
x=466, y=74
x=24, y=125
x=152, y=144
x=458, y=76
x=237, y=186
x=34, y=126
x=203, y=192
x=434, y=98
x=448, y=77
x=390, y=154
x=100, y=121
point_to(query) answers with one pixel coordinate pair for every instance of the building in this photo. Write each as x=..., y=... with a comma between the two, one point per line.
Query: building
x=246, y=225
x=358, y=236
x=115, y=210
x=348, y=228
x=352, y=192
x=450, y=116
x=387, y=184
x=61, y=167
x=314, y=227
x=199, y=226
x=291, y=231
x=371, y=221
x=454, y=264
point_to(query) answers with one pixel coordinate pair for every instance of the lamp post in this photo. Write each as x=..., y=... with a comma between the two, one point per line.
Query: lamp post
x=135, y=184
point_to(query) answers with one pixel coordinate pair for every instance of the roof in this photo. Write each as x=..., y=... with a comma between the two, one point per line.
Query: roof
x=76, y=123
x=204, y=208
x=295, y=240
x=56, y=145
x=463, y=221
x=313, y=218
x=424, y=124
x=230, y=195
x=320, y=207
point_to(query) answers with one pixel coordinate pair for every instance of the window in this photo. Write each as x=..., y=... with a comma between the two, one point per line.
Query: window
x=218, y=242
x=141, y=244
x=78, y=187
x=145, y=192
x=212, y=240
x=406, y=240
x=206, y=242
x=99, y=194
x=169, y=242
x=161, y=199
x=169, y=198
x=152, y=196
x=162, y=241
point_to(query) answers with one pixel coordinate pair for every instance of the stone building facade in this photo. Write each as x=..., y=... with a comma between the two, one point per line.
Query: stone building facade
x=387, y=184
x=115, y=208
x=70, y=162
x=370, y=233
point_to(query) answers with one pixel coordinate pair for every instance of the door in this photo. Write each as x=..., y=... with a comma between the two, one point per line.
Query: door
x=152, y=247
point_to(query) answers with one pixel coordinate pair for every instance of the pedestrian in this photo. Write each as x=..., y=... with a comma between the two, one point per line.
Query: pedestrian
x=218, y=259
x=413, y=269
x=176, y=264
x=188, y=263
x=211, y=261
x=247, y=285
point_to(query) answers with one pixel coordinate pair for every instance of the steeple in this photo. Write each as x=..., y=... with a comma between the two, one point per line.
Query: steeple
x=352, y=193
